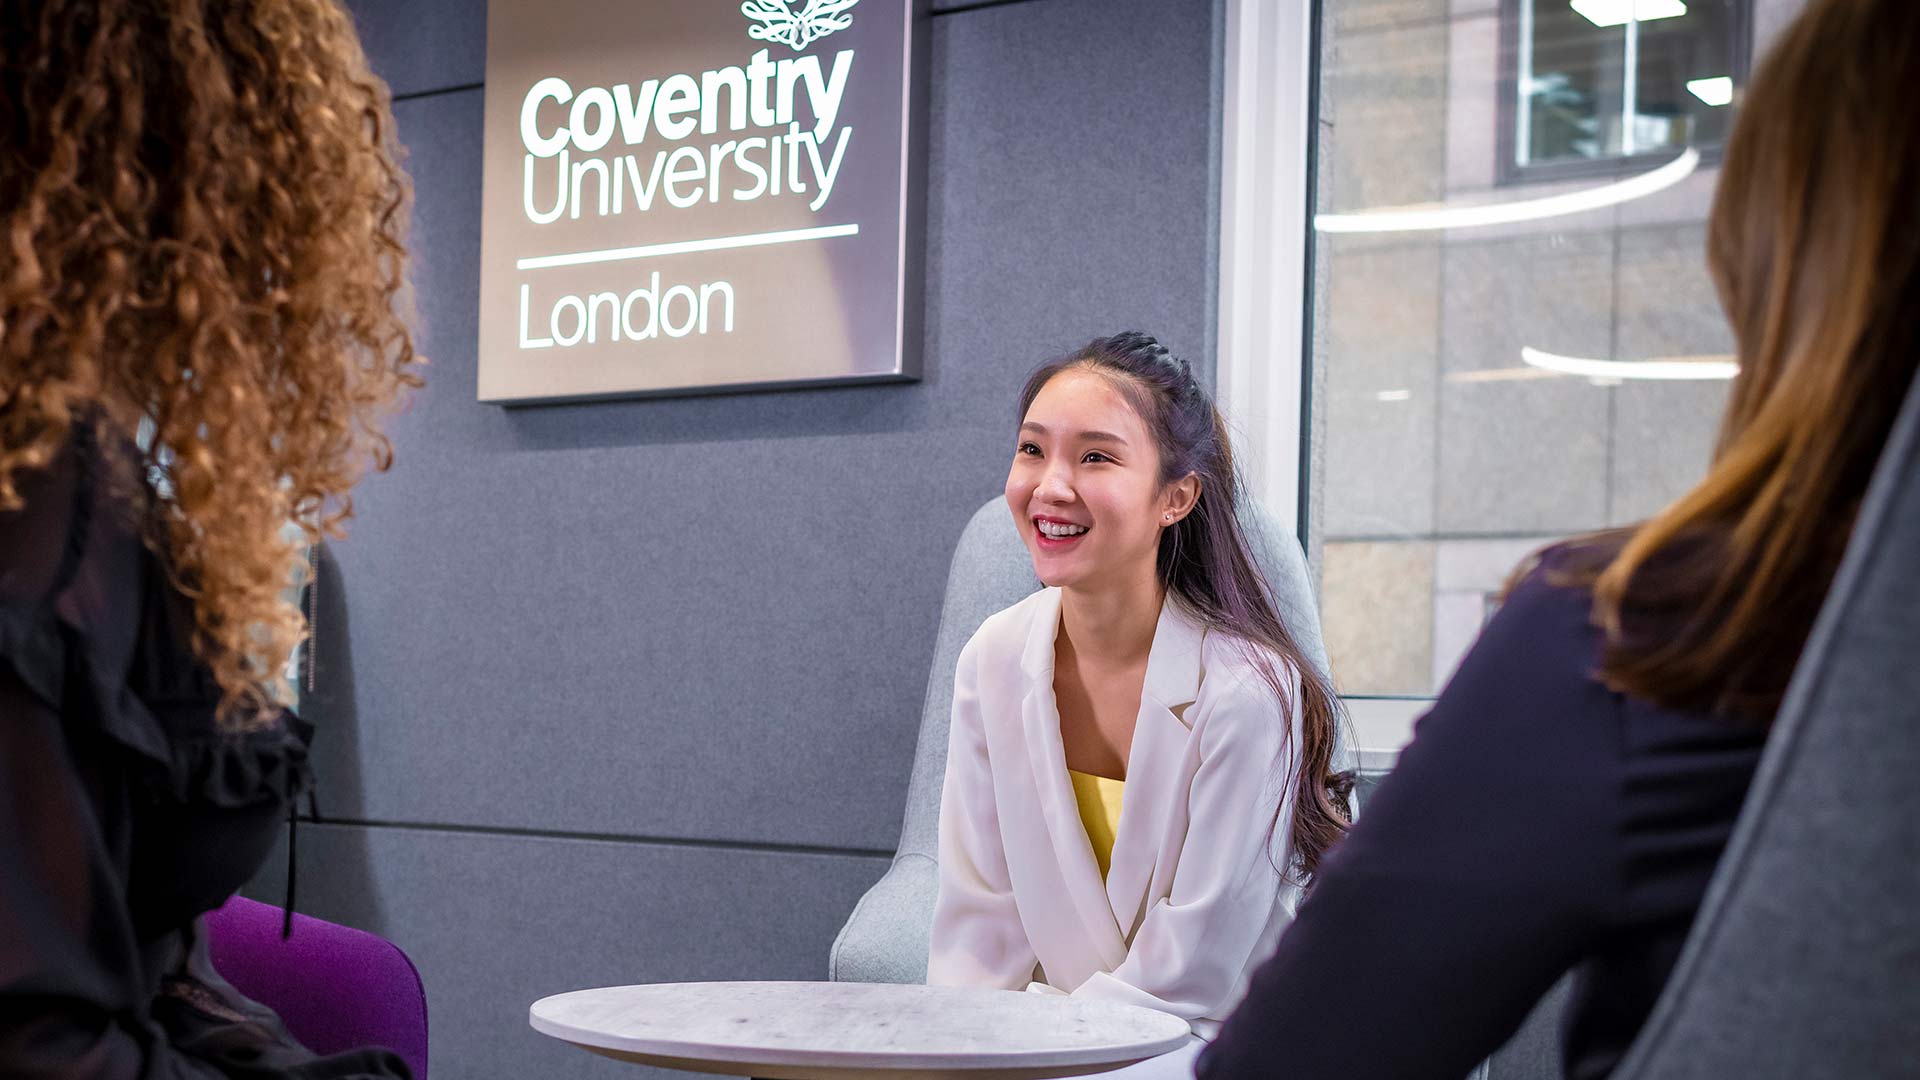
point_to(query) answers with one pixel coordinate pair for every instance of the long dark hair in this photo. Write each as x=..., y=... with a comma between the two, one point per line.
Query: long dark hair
x=1206, y=564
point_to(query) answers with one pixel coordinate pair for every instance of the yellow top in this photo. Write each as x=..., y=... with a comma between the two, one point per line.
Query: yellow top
x=1099, y=799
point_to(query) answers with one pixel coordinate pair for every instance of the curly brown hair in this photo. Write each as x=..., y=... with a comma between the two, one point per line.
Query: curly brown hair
x=201, y=228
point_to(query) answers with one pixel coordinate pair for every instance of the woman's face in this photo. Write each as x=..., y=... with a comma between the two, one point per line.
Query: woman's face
x=1085, y=485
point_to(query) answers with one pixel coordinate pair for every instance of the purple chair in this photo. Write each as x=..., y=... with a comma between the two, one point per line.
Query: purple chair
x=336, y=988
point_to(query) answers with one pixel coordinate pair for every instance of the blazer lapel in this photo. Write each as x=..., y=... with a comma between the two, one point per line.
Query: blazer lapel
x=1040, y=714
x=1156, y=764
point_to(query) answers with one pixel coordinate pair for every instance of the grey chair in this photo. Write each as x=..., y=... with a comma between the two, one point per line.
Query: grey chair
x=885, y=940
x=1805, y=958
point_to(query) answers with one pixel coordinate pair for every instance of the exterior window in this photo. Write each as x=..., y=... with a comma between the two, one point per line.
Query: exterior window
x=1590, y=86
x=1478, y=390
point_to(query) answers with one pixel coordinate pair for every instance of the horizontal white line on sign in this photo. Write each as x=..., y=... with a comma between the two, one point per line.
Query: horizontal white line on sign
x=682, y=247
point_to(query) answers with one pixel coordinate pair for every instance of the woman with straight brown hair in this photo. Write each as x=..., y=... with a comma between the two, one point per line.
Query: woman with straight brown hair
x=201, y=226
x=1565, y=802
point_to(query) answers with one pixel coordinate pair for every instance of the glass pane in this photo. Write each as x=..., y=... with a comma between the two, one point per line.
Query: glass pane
x=1579, y=62
x=1572, y=83
x=1482, y=391
x=1684, y=78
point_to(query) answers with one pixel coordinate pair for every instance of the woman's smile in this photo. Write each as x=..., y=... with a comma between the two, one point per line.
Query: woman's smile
x=1057, y=534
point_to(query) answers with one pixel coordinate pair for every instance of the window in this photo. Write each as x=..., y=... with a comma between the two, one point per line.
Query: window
x=1479, y=391
x=1590, y=86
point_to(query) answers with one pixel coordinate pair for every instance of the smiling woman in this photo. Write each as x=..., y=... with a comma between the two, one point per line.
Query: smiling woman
x=1148, y=694
x=1104, y=474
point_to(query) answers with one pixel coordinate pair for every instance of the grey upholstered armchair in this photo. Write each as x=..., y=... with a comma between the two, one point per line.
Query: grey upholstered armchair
x=885, y=940
x=1805, y=958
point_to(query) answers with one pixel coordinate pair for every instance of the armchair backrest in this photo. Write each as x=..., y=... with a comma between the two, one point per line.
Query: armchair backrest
x=334, y=987
x=1805, y=957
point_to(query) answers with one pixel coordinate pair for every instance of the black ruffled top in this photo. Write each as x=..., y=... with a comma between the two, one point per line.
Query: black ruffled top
x=125, y=812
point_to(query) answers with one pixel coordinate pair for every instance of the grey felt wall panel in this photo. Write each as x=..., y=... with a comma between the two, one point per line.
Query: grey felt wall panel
x=712, y=618
x=420, y=46
x=495, y=922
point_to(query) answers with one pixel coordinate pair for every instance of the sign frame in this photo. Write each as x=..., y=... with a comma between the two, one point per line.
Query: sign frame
x=503, y=105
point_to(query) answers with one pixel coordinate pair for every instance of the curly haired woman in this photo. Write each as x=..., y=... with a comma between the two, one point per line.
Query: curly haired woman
x=201, y=260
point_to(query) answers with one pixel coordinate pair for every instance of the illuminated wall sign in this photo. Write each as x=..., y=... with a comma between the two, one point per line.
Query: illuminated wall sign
x=684, y=196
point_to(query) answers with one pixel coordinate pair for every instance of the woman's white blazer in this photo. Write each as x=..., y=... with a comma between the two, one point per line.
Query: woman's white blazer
x=1194, y=897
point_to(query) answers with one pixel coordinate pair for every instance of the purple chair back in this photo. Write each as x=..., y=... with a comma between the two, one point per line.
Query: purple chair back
x=336, y=988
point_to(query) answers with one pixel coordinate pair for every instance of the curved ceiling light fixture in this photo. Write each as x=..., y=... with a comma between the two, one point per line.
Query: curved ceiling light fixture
x=1463, y=217
x=1705, y=367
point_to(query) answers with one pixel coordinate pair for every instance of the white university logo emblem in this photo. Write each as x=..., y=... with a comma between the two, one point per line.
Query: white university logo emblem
x=775, y=20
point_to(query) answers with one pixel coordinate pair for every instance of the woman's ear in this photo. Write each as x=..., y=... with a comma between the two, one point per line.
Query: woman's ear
x=1179, y=499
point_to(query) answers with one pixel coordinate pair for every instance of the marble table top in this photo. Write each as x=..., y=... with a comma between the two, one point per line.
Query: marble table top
x=819, y=1030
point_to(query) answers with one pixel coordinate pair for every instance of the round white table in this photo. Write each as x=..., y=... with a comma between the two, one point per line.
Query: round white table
x=856, y=1031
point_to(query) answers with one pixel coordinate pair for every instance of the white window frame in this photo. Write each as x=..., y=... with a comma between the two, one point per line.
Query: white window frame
x=1263, y=358
x=1263, y=243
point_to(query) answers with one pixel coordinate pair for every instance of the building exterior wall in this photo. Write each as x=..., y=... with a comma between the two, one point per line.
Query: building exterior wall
x=1444, y=459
